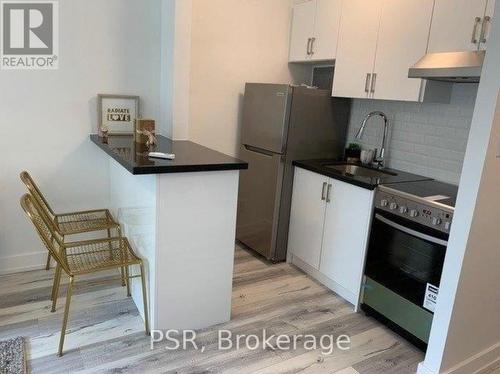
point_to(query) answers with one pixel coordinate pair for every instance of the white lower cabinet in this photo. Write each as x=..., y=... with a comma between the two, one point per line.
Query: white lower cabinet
x=305, y=233
x=329, y=228
x=345, y=237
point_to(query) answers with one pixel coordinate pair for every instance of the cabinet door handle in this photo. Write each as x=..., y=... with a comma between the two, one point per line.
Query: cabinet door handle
x=477, y=21
x=308, y=46
x=374, y=80
x=367, y=82
x=329, y=189
x=323, y=190
x=312, y=45
x=486, y=21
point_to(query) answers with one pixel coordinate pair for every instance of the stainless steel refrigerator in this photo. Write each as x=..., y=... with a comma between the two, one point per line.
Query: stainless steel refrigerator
x=281, y=123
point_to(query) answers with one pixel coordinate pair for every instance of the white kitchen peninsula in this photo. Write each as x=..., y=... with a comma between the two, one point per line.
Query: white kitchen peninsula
x=179, y=216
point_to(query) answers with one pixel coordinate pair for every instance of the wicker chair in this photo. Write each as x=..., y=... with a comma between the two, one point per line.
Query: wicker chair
x=82, y=257
x=74, y=223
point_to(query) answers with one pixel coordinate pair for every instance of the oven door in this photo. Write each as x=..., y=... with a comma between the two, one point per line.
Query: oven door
x=406, y=257
x=402, y=275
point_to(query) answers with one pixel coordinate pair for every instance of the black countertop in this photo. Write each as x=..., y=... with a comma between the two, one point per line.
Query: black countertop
x=189, y=156
x=395, y=176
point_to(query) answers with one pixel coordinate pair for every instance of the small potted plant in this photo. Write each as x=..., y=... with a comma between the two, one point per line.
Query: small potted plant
x=353, y=152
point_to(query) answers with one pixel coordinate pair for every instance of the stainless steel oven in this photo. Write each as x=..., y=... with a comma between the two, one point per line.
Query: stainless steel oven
x=406, y=252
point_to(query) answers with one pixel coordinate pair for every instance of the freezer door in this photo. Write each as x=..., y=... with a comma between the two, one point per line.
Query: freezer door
x=258, y=200
x=265, y=116
x=318, y=125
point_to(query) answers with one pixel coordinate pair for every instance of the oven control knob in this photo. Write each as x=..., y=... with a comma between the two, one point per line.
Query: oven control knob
x=393, y=206
x=403, y=210
x=384, y=202
x=447, y=225
x=413, y=213
x=436, y=221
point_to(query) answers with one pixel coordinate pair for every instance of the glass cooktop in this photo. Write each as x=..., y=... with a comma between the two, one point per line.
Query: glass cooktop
x=430, y=190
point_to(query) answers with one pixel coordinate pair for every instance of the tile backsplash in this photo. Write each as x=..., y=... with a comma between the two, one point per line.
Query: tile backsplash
x=426, y=139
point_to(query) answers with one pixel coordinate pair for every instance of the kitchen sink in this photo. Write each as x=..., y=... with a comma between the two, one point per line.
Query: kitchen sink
x=358, y=170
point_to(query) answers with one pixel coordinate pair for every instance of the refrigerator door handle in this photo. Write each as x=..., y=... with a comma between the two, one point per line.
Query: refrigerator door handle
x=264, y=152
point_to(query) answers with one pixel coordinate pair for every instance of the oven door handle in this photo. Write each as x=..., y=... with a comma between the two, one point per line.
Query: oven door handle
x=410, y=231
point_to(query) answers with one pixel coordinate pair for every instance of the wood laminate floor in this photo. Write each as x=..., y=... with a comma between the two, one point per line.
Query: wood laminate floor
x=105, y=332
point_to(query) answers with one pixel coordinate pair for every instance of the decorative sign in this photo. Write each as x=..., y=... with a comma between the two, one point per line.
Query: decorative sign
x=430, y=298
x=117, y=114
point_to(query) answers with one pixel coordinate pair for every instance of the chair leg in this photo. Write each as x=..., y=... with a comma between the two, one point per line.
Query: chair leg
x=127, y=281
x=145, y=300
x=122, y=270
x=47, y=265
x=66, y=313
x=109, y=245
x=54, y=282
x=124, y=278
x=55, y=288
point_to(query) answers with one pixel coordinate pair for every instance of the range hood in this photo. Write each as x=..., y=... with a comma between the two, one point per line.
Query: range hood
x=449, y=67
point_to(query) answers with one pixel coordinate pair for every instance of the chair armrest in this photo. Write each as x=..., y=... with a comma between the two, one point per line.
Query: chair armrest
x=92, y=241
x=67, y=217
x=106, y=211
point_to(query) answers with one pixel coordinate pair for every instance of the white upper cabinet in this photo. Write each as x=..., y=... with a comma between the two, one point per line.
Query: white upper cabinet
x=326, y=29
x=457, y=25
x=378, y=42
x=402, y=41
x=356, y=49
x=488, y=18
x=302, y=30
x=315, y=30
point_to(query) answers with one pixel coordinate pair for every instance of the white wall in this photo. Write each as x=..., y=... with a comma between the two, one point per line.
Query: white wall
x=426, y=139
x=46, y=117
x=233, y=42
x=175, y=68
x=167, y=53
x=465, y=335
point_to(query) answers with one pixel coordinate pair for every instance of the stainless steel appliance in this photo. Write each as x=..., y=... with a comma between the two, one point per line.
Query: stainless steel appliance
x=462, y=67
x=406, y=252
x=281, y=123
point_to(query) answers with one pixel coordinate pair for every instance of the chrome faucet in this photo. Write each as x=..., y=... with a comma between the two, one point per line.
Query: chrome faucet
x=379, y=160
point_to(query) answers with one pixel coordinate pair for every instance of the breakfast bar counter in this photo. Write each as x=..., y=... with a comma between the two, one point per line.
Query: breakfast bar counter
x=189, y=156
x=180, y=217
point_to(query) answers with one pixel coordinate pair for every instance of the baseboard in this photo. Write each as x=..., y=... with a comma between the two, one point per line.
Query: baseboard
x=481, y=363
x=24, y=262
x=330, y=283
